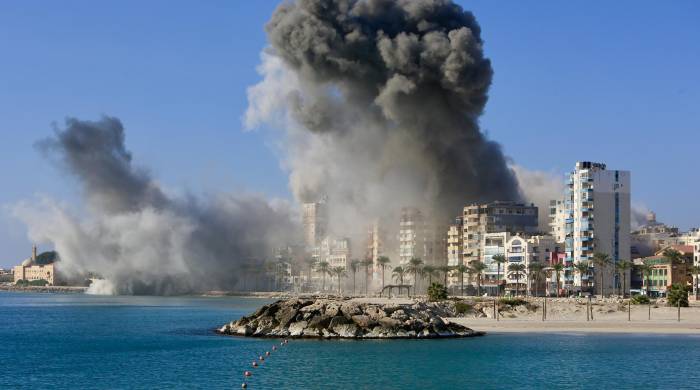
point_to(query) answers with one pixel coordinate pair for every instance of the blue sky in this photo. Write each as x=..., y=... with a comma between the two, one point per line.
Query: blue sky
x=606, y=81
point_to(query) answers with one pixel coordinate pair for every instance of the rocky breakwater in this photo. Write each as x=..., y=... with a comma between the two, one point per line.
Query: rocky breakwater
x=336, y=318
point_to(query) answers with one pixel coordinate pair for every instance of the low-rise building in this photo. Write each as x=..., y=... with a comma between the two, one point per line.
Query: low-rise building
x=36, y=268
x=528, y=251
x=664, y=272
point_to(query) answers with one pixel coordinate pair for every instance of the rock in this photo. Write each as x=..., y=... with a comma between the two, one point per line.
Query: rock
x=331, y=318
x=296, y=328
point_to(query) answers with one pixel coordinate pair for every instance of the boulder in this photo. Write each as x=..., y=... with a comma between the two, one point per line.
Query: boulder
x=296, y=328
x=363, y=321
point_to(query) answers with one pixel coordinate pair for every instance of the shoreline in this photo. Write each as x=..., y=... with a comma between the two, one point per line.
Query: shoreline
x=586, y=327
x=45, y=289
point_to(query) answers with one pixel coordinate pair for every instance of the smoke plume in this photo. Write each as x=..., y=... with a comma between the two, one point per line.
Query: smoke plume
x=380, y=102
x=140, y=239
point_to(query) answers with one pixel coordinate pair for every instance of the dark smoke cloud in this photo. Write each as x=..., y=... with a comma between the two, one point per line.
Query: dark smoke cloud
x=140, y=239
x=401, y=81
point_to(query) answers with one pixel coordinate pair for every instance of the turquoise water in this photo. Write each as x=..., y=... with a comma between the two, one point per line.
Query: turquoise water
x=86, y=342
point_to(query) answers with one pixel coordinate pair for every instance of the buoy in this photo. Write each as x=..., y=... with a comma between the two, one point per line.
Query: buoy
x=255, y=364
x=267, y=353
x=244, y=385
x=274, y=348
x=262, y=359
x=248, y=373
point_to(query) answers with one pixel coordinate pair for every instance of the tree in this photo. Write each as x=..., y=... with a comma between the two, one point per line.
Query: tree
x=445, y=269
x=674, y=256
x=429, y=271
x=354, y=267
x=310, y=263
x=366, y=263
x=516, y=269
x=461, y=270
x=324, y=268
x=557, y=269
x=622, y=267
x=383, y=262
x=339, y=272
x=600, y=263
x=398, y=273
x=645, y=269
x=499, y=259
x=693, y=272
x=478, y=268
x=437, y=292
x=678, y=295
x=415, y=267
x=536, y=273
x=583, y=268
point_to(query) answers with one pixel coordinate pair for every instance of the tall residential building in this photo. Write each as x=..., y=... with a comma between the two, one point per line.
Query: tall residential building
x=494, y=217
x=375, y=246
x=597, y=202
x=315, y=223
x=454, y=243
x=417, y=237
x=557, y=218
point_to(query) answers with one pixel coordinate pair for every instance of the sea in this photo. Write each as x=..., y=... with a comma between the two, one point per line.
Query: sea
x=77, y=341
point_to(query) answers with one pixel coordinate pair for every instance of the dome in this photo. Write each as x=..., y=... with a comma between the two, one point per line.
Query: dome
x=27, y=263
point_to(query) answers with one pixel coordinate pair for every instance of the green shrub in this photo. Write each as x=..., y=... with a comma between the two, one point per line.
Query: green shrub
x=463, y=307
x=640, y=300
x=678, y=294
x=40, y=282
x=512, y=301
x=437, y=292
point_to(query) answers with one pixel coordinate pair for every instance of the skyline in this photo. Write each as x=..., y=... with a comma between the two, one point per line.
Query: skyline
x=206, y=127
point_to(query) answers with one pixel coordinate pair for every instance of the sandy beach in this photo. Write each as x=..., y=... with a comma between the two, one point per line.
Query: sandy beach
x=566, y=316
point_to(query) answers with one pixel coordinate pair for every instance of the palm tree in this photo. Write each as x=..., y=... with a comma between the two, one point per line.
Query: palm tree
x=383, y=262
x=445, y=269
x=339, y=272
x=693, y=272
x=478, y=268
x=622, y=267
x=429, y=271
x=461, y=270
x=398, y=273
x=557, y=268
x=674, y=256
x=601, y=262
x=366, y=263
x=646, y=268
x=323, y=267
x=516, y=269
x=583, y=268
x=415, y=267
x=536, y=273
x=354, y=267
x=310, y=263
x=499, y=259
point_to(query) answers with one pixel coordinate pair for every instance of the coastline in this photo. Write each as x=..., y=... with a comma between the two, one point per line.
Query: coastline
x=563, y=326
x=45, y=289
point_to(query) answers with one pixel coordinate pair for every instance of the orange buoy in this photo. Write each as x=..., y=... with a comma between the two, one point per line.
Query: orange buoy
x=248, y=373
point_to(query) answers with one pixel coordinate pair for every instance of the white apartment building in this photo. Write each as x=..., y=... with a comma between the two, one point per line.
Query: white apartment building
x=454, y=243
x=336, y=251
x=528, y=250
x=315, y=223
x=557, y=220
x=416, y=237
x=597, y=201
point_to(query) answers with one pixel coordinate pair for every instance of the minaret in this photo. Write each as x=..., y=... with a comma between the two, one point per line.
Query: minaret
x=33, y=253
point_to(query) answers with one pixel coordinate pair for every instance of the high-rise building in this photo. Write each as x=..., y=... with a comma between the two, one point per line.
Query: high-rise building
x=315, y=223
x=557, y=218
x=417, y=237
x=597, y=202
x=494, y=217
x=454, y=243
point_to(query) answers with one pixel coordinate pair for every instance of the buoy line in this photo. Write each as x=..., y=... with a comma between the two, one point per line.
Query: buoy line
x=249, y=374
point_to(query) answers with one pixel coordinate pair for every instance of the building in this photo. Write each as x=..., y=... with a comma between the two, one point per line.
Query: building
x=315, y=223
x=375, y=247
x=495, y=217
x=335, y=251
x=557, y=220
x=417, y=238
x=454, y=243
x=665, y=273
x=41, y=267
x=653, y=236
x=527, y=251
x=597, y=204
